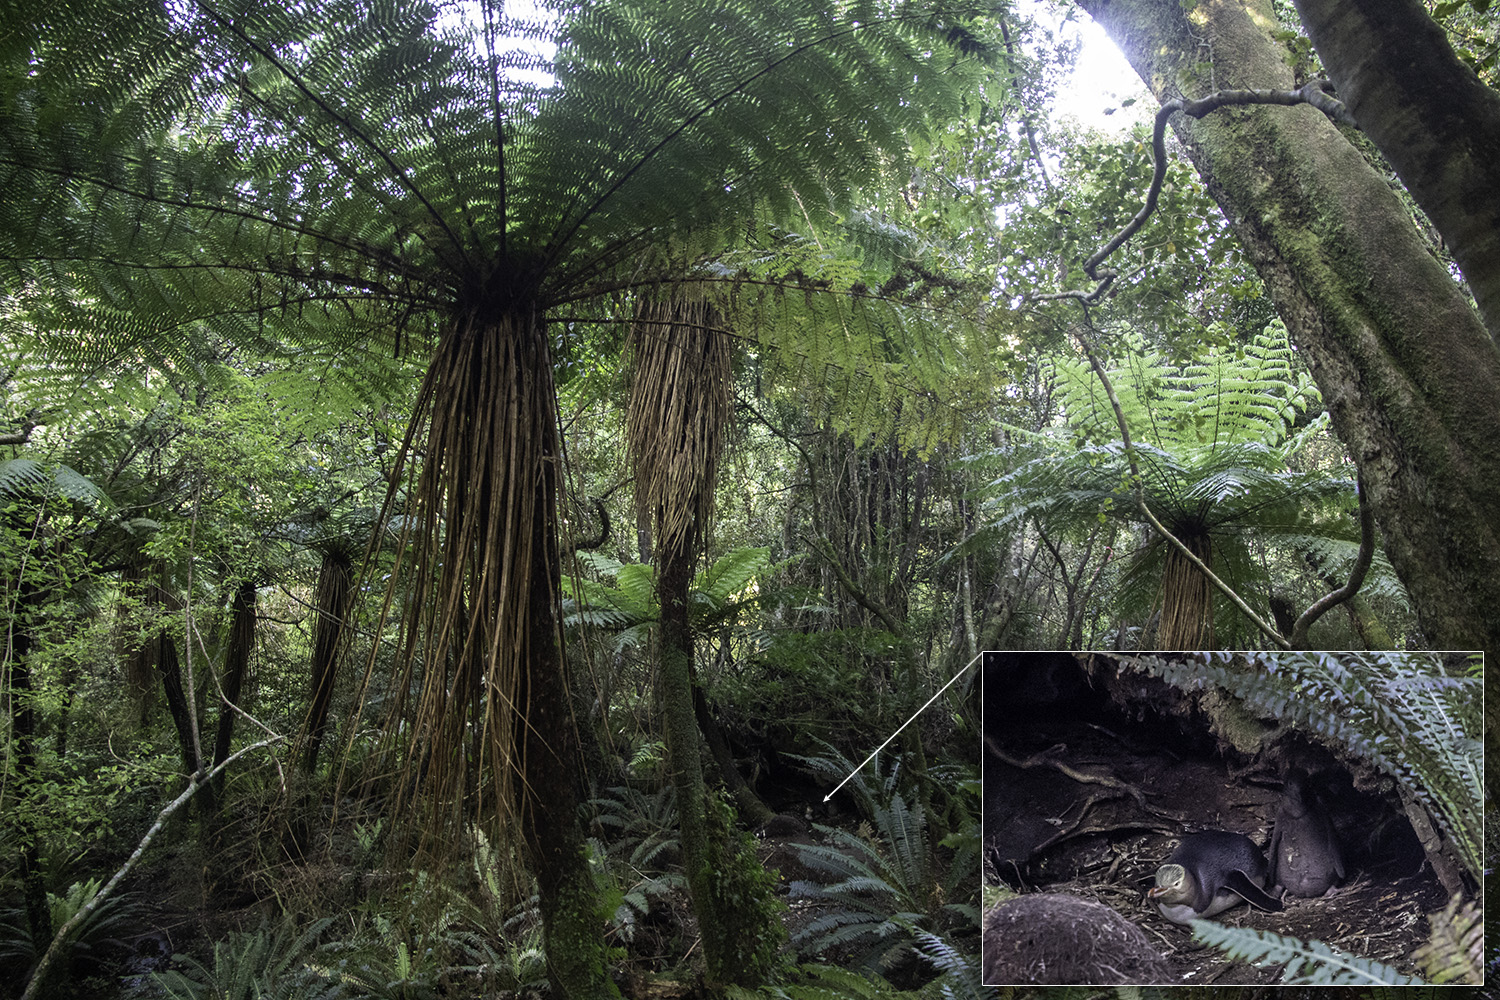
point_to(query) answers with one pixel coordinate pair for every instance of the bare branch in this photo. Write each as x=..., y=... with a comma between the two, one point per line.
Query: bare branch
x=1356, y=575
x=1311, y=92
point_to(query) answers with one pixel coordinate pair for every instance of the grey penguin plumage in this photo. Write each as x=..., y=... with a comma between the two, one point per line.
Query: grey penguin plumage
x=1208, y=873
x=1305, y=855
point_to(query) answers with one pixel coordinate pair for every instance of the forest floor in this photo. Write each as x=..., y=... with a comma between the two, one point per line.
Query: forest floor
x=1087, y=797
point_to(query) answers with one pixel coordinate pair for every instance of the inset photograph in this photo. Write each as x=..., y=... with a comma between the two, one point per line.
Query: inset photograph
x=1233, y=818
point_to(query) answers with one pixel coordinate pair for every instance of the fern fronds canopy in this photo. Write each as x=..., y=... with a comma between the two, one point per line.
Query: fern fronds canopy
x=353, y=176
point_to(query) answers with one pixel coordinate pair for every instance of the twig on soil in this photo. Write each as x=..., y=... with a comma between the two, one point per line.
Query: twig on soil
x=1042, y=759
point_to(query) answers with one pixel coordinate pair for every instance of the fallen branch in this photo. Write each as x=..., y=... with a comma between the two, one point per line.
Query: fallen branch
x=196, y=782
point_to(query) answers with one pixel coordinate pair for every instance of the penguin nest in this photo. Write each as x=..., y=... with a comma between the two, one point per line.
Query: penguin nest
x=1057, y=940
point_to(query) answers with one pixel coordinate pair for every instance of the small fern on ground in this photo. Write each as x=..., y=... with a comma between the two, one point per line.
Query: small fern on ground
x=1310, y=963
x=885, y=886
x=103, y=931
x=263, y=964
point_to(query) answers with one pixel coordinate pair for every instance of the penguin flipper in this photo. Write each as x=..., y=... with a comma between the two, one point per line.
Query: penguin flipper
x=1238, y=882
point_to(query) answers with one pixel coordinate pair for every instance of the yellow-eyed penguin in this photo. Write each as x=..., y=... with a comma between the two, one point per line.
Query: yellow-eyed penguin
x=1208, y=873
x=1305, y=855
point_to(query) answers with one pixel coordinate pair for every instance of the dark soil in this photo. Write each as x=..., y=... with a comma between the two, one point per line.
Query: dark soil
x=1089, y=784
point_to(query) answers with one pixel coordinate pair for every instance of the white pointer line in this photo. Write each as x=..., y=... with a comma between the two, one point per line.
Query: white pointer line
x=903, y=725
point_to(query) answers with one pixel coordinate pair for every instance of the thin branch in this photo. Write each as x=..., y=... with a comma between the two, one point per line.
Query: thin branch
x=1015, y=83
x=23, y=435
x=1309, y=93
x=496, y=110
x=196, y=782
x=1356, y=574
x=861, y=598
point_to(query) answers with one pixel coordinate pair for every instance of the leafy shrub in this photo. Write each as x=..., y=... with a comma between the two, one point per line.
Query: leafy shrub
x=262, y=964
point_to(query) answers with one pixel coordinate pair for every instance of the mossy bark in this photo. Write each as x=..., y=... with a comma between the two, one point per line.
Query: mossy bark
x=674, y=579
x=1436, y=123
x=23, y=727
x=236, y=666
x=1410, y=376
x=572, y=921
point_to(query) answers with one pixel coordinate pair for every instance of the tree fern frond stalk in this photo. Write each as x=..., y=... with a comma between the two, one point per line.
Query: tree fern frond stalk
x=492, y=733
x=347, y=125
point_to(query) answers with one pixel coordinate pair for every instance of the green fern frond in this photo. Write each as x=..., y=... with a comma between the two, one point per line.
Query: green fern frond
x=1454, y=952
x=731, y=573
x=1310, y=963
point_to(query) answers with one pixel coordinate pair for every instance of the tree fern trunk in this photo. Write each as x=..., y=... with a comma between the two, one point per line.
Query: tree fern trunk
x=331, y=600
x=679, y=406
x=1187, y=605
x=491, y=730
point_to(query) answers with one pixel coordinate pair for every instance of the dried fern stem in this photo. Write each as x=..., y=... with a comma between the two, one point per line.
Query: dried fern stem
x=1187, y=604
x=483, y=519
x=679, y=406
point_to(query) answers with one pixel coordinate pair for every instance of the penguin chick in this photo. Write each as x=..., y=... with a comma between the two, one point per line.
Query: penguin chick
x=1305, y=855
x=1207, y=874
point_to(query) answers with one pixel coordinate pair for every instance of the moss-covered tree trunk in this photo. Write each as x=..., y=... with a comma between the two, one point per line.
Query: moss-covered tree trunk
x=674, y=581
x=1436, y=123
x=679, y=407
x=22, y=640
x=572, y=921
x=1408, y=373
x=236, y=667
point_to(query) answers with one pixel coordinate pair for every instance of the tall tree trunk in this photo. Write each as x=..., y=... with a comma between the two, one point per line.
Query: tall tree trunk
x=675, y=561
x=492, y=733
x=22, y=641
x=169, y=668
x=679, y=406
x=331, y=604
x=236, y=666
x=550, y=768
x=1431, y=117
x=1409, y=374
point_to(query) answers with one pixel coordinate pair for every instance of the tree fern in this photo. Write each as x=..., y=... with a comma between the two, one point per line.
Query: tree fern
x=379, y=175
x=1214, y=464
